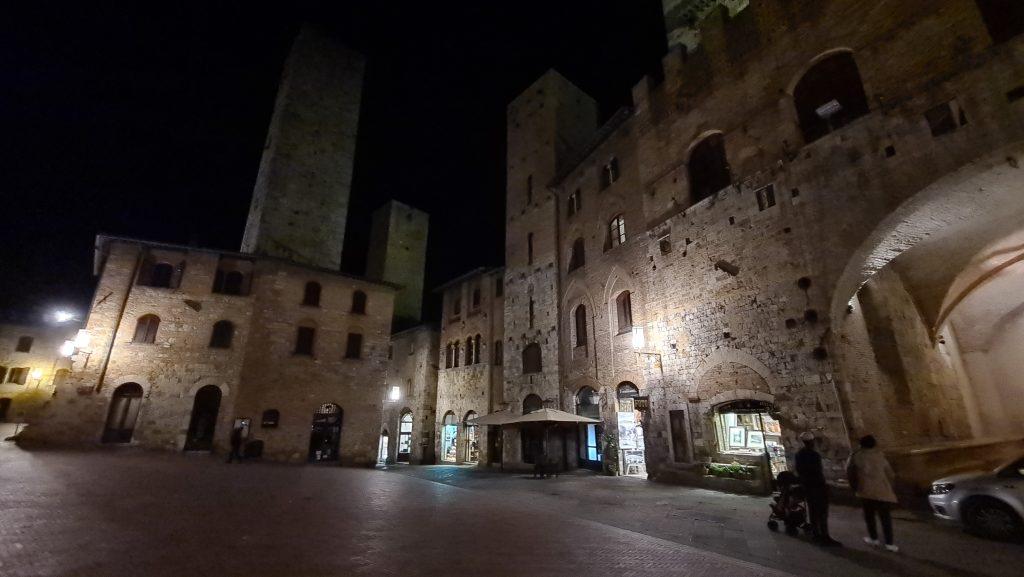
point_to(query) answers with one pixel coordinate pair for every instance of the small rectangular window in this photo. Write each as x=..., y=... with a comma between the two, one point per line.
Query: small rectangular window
x=665, y=244
x=24, y=344
x=18, y=375
x=499, y=287
x=765, y=197
x=354, y=346
x=945, y=118
x=304, y=341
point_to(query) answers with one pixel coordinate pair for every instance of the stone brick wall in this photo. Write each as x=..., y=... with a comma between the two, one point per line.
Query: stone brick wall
x=413, y=368
x=470, y=388
x=257, y=372
x=729, y=287
x=300, y=203
x=27, y=399
x=398, y=255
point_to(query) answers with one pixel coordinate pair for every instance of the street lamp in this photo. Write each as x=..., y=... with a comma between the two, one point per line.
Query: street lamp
x=63, y=316
x=67, y=349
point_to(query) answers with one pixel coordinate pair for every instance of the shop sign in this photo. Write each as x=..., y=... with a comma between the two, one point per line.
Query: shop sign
x=641, y=403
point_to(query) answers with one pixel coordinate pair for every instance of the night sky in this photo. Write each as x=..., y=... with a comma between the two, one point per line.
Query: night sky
x=149, y=122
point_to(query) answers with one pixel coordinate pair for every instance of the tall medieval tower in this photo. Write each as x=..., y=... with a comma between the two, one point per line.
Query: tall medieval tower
x=398, y=254
x=300, y=202
x=547, y=124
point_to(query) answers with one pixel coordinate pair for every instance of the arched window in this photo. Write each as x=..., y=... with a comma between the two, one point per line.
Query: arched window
x=161, y=275
x=223, y=332
x=145, y=329
x=1003, y=18
x=448, y=356
x=588, y=403
x=405, y=436
x=455, y=353
x=233, y=281
x=616, y=231
x=709, y=169
x=359, y=303
x=470, y=354
x=497, y=354
x=829, y=96
x=580, y=316
x=532, y=403
x=532, y=359
x=578, y=257
x=476, y=348
x=354, y=346
x=304, y=340
x=311, y=295
x=627, y=390
x=624, y=311
x=122, y=414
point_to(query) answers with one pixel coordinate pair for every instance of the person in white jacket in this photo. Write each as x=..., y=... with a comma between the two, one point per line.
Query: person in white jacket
x=871, y=477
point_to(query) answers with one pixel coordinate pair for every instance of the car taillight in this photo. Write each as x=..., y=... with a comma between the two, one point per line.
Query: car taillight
x=942, y=488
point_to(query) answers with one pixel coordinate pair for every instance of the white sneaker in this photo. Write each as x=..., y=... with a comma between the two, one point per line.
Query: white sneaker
x=870, y=541
x=892, y=548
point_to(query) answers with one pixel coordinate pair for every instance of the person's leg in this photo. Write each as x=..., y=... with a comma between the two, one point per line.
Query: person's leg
x=869, y=518
x=823, y=523
x=814, y=507
x=885, y=514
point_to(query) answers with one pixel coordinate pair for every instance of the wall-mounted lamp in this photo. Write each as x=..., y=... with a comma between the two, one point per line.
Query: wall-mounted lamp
x=395, y=393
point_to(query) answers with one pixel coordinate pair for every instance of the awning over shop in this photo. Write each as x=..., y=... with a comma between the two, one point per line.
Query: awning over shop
x=551, y=416
x=496, y=418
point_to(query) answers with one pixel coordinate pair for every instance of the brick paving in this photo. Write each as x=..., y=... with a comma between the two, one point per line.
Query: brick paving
x=126, y=512
x=734, y=525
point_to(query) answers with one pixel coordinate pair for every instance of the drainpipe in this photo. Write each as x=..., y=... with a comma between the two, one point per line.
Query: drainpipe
x=120, y=317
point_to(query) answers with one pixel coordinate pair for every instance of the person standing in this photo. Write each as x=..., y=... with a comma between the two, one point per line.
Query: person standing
x=871, y=477
x=812, y=477
x=236, y=444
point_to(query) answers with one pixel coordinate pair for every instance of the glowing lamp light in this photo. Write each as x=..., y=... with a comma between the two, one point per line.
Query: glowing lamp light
x=63, y=316
x=82, y=339
x=67, y=349
x=36, y=374
x=638, y=337
x=395, y=393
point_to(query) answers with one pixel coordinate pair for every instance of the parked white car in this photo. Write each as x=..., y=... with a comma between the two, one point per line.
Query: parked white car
x=988, y=503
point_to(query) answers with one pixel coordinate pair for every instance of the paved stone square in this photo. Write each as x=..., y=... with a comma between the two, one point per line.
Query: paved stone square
x=128, y=512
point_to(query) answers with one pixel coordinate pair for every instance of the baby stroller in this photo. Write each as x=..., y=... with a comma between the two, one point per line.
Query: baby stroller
x=788, y=505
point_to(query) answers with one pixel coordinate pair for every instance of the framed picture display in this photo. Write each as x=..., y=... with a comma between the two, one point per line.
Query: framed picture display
x=755, y=440
x=737, y=436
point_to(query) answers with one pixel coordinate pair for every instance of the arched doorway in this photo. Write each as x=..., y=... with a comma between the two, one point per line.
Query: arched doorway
x=472, y=443
x=531, y=438
x=449, y=438
x=588, y=404
x=204, y=419
x=382, y=449
x=326, y=433
x=124, y=411
x=405, y=437
x=631, y=431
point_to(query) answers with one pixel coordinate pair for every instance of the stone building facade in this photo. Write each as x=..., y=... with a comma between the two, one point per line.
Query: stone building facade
x=32, y=366
x=398, y=255
x=471, y=362
x=407, y=430
x=807, y=222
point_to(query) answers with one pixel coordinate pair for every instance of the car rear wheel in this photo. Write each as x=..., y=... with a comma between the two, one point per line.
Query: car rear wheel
x=993, y=519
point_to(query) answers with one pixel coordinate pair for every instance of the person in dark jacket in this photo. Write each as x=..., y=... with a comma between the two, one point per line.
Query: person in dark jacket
x=236, y=444
x=812, y=478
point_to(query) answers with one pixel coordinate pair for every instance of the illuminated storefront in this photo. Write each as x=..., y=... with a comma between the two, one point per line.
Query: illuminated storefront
x=631, y=432
x=472, y=444
x=449, y=438
x=405, y=437
x=746, y=428
x=588, y=405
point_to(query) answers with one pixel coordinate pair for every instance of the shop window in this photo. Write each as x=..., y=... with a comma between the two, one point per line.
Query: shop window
x=405, y=437
x=578, y=256
x=24, y=344
x=472, y=446
x=580, y=316
x=223, y=333
x=304, y=340
x=616, y=232
x=829, y=96
x=747, y=428
x=708, y=168
x=588, y=404
x=449, y=437
x=624, y=312
x=1004, y=19
x=354, y=346
x=18, y=375
x=270, y=419
x=532, y=359
x=498, y=355
x=145, y=329
x=359, y=303
x=311, y=294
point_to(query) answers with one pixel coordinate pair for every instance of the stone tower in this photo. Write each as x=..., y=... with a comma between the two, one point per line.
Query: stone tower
x=547, y=124
x=300, y=201
x=398, y=254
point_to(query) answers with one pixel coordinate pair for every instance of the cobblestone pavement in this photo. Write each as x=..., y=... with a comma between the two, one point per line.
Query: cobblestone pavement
x=734, y=525
x=128, y=513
